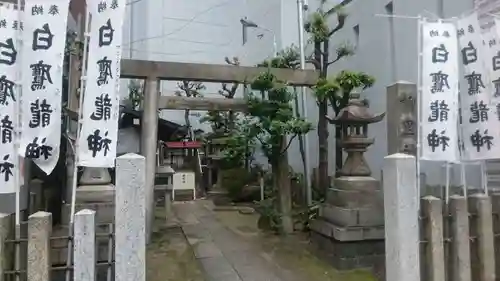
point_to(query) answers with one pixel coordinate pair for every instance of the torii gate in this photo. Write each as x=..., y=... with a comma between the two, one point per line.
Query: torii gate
x=155, y=71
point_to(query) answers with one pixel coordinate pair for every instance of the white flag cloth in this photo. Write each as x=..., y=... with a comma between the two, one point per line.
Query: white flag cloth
x=9, y=95
x=44, y=39
x=439, y=105
x=99, y=134
x=480, y=140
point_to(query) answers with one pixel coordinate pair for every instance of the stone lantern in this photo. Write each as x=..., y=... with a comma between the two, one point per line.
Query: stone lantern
x=350, y=225
x=354, y=120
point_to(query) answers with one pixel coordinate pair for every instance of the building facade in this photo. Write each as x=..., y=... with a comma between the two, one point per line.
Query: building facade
x=383, y=32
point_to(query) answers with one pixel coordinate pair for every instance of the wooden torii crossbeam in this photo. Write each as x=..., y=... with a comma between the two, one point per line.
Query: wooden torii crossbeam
x=141, y=69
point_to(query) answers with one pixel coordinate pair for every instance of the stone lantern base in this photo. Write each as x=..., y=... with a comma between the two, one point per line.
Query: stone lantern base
x=349, y=232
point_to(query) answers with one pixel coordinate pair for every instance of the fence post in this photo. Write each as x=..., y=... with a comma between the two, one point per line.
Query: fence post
x=432, y=210
x=84, y=246
x=130, y=218
x=480, y=205
x=460, y=260
x=495, y=203
x=5, y=254
x=401, y=218
x=39, y=231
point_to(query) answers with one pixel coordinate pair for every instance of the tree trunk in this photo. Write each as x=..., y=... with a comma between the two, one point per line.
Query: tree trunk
x=302, y=154
x=283, y=185
x=321, y=56
x=323, y=148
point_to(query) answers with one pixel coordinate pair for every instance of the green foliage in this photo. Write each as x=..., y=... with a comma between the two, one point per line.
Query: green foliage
x=338, y=89
x=273, y=115
x=135, y=93
x=287, y=58
x=233, y=180
x=222, y=122
x=240, y=144
x=270, y=116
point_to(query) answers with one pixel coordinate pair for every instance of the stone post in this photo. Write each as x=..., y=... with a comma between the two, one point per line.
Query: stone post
x=39, y=232
x=460, y=267
x=5, y=253
x=401, y=218
x=130, y=218
x=149, y=133
x=402, y=117
x=84, y=246
x=480, y=205
x=432, y=210
x=495, y=202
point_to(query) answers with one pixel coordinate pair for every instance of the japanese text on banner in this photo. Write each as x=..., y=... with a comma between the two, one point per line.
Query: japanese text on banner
x=44, y=35
x=491, y=40
x=479, y=138
x=9, y=55
x=439, y=137
x=98, y=137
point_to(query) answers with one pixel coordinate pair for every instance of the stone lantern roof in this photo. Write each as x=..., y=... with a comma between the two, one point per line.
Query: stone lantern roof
x=356, y=112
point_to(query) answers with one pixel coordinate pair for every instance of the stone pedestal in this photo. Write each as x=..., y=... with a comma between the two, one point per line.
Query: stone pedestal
x=349, y=232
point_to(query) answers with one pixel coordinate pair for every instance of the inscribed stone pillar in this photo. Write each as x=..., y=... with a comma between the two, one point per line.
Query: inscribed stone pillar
x=39, y=232
x=130, y=218
x=84, y=246
x=401, y=218
x=402, y=118
x=149, y=135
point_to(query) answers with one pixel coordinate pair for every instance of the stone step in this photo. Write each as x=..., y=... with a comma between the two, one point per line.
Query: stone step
x=345, y=217
x=105, y=211
x=183, y=195
x=95, y=193
x=349, y=233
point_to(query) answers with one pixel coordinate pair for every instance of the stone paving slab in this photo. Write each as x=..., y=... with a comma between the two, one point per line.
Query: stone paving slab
x=222, y=254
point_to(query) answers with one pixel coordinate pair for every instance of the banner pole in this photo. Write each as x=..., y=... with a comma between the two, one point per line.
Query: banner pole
x=83, y=79
x=419, y=106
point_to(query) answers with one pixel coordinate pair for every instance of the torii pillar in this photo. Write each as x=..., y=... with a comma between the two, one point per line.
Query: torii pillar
x=149, y=135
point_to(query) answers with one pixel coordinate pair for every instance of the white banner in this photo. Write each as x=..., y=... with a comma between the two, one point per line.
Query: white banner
x=439, y=137
x=491, y=40
x=99, y=134
x=486, y=9
x=479, y=137
x=9, y=57
x=44, y=37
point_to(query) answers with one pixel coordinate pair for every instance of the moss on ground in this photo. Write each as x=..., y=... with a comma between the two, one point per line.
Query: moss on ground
x=169, y=257
x=291, y=254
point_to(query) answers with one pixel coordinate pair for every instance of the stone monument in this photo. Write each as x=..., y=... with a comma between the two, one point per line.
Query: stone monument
x=349, y=231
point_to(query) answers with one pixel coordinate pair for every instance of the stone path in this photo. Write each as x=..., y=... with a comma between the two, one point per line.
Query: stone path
x=222, y=254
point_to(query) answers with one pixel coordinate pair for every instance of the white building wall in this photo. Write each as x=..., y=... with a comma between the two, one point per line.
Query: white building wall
x=207, y=31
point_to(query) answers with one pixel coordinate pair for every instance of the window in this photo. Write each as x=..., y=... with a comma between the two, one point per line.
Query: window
x=356, y=34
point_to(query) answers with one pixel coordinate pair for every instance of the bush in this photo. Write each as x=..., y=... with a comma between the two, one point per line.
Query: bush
x=238, y=183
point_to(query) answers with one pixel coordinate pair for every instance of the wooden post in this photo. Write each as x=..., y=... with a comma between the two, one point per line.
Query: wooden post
x=432, y=210
x=480, y=205
x=6, y=253
x=460, y=260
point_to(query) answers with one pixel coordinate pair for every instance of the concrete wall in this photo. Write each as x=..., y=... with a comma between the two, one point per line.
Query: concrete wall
x=387, y=49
